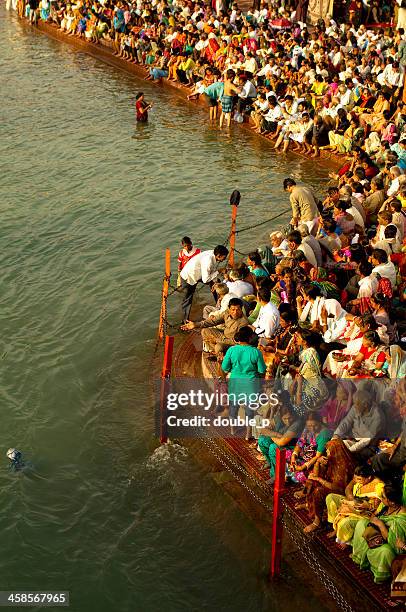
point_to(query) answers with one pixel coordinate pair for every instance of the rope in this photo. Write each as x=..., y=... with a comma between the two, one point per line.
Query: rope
x=244, y=229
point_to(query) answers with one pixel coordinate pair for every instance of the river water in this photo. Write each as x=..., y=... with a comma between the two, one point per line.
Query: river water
x=88, y=203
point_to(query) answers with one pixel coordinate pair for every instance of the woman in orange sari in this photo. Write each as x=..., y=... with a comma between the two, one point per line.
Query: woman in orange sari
x=331, y=474
x=212, y=48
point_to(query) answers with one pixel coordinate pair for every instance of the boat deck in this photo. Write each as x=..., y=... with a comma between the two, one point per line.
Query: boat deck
x=345, y=582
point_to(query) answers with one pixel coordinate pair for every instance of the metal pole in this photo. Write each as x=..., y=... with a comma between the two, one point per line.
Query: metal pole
x=165, y=376
x=277, y=527
x=232, y=234
x=165, y=290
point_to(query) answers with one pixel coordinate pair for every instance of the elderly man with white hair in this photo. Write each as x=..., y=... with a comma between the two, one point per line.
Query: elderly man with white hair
x=271, y=255
x=396, y=181
x=238, y=286
x=279, y=243
x=362, y=427
x=311, y=241
x=356, y=209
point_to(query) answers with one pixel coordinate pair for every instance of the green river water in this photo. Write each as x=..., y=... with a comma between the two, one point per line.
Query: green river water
x=88, y=202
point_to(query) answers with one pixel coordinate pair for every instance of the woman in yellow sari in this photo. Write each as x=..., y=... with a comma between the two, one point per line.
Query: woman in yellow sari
x=363, y=498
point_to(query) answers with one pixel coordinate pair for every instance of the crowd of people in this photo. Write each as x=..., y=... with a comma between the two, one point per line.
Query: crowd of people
x=337, y=85
x=319, y=312
x=319, y=316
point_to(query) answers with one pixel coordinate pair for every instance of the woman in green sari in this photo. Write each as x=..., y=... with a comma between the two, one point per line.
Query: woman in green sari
x=379, y=539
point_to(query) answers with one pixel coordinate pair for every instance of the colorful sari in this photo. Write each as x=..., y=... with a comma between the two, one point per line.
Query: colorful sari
x=368, y=367
x=344, y=518
x=309, y=445
x=321, y=278
x=313, y=386
x=379, y=560
x=338, y=471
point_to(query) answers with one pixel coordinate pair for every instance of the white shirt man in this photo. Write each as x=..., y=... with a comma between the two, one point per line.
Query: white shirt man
x=368, y=286
x=312, y=310
x=248, y=90
x=386, y=270
x=250, y=65
x=240, y=288
x=274, y=113
x=357, y=216
x=308, y=253
x=391, y=77
x=267, y=321
x=202, y=267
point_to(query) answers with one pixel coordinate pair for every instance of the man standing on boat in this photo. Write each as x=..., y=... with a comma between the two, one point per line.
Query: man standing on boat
x=304, y=204
x=201, y=268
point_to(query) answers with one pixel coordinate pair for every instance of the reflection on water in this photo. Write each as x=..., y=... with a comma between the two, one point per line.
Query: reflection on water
x=89, y=201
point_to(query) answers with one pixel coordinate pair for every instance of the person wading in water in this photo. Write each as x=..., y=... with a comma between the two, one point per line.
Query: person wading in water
x=227, y=98
x=142, y=108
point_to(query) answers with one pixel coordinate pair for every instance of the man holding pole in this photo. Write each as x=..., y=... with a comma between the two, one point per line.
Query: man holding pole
x=201, y=268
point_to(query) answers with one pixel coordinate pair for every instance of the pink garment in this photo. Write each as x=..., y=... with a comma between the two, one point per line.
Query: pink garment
x=389, y=133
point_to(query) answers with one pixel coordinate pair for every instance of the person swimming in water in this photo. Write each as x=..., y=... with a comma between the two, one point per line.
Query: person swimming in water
x=16, y=459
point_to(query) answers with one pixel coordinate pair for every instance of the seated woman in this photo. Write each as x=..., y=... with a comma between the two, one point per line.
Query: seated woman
x=352, y=336
x=326, y=282
x=369, y=361
x=255, y=266
x=362, y=497
x=309, y=448
x=338, y=404
x=345, y=221
x=310, y=389
x=336, y=137
x=283, y=344
x=380, y=312
x=374, y=117
x=377, y=540
x=287, y=430
x=331, y=474
x=286, y=286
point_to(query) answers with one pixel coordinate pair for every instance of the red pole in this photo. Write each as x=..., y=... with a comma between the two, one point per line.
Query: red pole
x=277, y=527
x=232, y=234
x=165, y=376
x=165, y=290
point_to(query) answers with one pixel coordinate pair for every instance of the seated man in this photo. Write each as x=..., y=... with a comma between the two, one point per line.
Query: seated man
x=362, y=427
x=296, y=243
x=219, y=340
x=267, y=322
x=237, y=285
